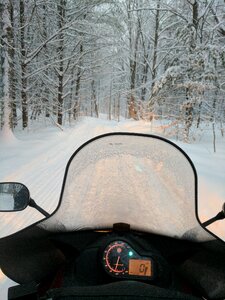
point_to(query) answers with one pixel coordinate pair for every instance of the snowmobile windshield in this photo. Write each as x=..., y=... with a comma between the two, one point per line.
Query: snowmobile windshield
x=141, y=180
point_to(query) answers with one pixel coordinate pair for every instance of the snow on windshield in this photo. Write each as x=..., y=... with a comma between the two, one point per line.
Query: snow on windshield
x=143, y=181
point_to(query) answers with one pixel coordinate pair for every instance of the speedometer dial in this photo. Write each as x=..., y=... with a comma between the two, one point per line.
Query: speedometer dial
x=116, y=258
x=120, y=260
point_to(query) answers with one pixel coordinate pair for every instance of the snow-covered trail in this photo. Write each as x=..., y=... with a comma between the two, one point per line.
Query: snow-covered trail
x=39, y=159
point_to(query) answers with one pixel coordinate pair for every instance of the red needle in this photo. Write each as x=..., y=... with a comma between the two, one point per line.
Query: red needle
x=117, y=263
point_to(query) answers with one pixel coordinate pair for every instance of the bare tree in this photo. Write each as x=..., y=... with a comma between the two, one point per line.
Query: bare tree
x=6, y=39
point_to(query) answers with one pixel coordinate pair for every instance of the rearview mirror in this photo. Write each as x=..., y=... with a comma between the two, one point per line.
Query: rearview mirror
x=14, y=196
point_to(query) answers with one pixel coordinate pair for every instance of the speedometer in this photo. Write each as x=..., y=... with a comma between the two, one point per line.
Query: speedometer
x=120, y=260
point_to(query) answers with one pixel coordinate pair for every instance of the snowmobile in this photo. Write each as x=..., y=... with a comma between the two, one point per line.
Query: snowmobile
x=126, y=227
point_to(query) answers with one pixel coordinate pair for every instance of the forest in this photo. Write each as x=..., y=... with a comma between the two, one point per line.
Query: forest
x=137, y=59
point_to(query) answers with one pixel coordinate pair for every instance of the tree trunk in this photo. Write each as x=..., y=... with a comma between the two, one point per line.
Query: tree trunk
x=132, y=108
x=193, y=41
x=110, y=99
x=45, y=95
x=23, y=66
x=79, y=74
x=6, y=66
x=132, y=112
x=155, y=47
x=60, y=98
x=94, y=105
x=61, y=12
x=118, y=108
x=199, y=114
x=77, y=88
x=188, y=117
x=145, y=70
x=12, y=79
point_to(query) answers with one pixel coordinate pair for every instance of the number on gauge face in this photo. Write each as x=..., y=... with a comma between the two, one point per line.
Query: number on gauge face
x=120, y=260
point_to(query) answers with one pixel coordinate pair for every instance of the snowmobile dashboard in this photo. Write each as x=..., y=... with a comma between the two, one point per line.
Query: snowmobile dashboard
x=116, y=256
x=112, y=263
x=120, y=260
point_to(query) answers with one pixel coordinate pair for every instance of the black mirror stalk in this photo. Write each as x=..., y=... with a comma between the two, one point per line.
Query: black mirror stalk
x=219, y=216
x=33, y=204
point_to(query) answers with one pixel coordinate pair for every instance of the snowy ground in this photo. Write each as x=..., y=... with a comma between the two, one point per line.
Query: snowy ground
x=38, y=159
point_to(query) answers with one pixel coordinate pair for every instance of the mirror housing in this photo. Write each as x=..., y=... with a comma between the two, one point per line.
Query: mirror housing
x=14, y=196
